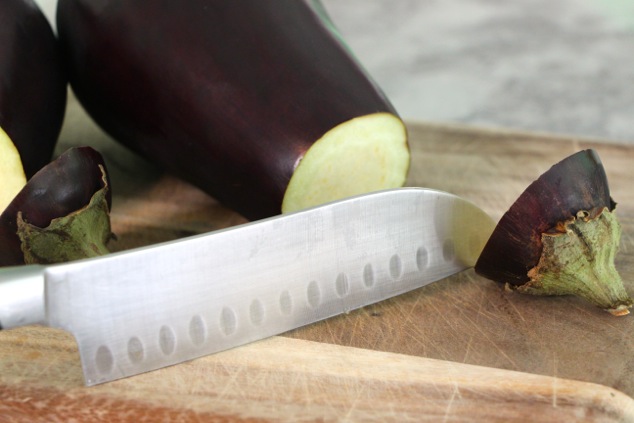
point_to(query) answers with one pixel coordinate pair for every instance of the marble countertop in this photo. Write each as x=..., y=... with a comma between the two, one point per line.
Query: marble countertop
x=556, y=66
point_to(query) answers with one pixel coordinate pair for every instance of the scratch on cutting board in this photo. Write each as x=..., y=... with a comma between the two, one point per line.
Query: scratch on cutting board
x=298, y=384
x=49, y=365
x=415, y=329
x=518, y=313
x=480, y=312
x=355, y=401
x=333, y=336
x=355, y=327
x=442, y=314
x=232, y=382
x=468, y=348
x=454, y=393
x=488, y=339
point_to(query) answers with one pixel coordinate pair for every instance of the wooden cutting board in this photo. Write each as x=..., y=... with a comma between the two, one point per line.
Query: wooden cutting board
x=462, y=349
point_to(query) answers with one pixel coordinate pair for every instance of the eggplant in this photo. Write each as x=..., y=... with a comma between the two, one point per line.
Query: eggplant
x=560, y=237
x=61, y=214
x=258, y=103
x=33, y=88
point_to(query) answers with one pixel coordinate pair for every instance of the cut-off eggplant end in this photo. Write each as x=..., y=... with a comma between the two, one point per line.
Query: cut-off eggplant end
x=364, y=154
x=81, y=234
x=578, y=259
x=561, y=237
x=64, y=187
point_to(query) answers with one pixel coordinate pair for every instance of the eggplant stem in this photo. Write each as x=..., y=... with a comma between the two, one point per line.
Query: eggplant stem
x=580, y=261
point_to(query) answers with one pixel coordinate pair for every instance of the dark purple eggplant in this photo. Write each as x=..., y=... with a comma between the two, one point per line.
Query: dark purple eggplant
x=560, y=237
x=256, y=102
x=33, y=88
x=61, y=214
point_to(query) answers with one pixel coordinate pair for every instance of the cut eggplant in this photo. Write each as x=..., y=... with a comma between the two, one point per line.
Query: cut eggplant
x=70, y=199
x=12, y=177
x=561, y=237
x=33, y=88
x=256, y=102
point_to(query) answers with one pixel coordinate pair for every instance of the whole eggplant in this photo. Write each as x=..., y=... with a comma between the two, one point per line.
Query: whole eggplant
x=33, y=83
x=259, y=103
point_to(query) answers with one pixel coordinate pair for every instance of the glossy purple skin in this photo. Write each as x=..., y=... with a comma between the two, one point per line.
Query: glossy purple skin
x=33, y=83
x=228, y=95
x=64, y=186
x=576, y=183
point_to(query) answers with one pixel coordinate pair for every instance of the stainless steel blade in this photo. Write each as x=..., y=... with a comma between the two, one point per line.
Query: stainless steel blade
x=148, y=308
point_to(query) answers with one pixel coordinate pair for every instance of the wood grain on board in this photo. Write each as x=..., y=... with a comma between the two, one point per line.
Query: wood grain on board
x=284, y=379
x=462, y=349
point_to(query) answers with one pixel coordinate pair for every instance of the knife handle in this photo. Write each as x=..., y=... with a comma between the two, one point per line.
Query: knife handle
x=22, y=296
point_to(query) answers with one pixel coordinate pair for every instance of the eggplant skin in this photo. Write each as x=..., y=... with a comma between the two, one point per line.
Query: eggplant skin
x=63, y=186
x=228, y=95
x=577, y=183
x=33, y=83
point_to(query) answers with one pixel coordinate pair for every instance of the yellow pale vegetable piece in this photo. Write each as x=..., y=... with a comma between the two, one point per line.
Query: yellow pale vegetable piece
x=12, y=177
x=364, y=154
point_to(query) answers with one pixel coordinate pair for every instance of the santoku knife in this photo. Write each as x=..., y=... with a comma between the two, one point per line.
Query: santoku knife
x=155, y=306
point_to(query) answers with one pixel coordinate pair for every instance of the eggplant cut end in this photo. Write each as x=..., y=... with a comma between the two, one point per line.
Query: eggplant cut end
x=12, y=174
x=364, y=154
x=561, y=237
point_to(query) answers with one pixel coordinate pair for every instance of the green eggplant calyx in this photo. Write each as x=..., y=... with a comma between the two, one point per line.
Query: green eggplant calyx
x=81, y=234
x=578, y=259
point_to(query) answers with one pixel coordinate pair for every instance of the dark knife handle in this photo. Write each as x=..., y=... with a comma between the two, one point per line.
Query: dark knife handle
x=22, y=296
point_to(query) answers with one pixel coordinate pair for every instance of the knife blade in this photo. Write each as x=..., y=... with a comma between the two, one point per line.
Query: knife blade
x=143, y=309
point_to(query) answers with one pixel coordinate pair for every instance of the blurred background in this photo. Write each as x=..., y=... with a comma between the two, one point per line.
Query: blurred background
x=555, y=66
